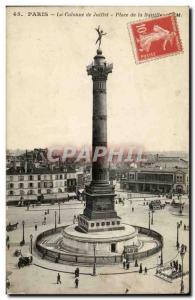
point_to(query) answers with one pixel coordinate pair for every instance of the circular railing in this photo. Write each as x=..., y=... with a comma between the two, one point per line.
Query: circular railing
x=60, y=257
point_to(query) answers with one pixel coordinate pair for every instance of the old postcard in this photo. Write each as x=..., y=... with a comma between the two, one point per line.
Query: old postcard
x=97, y=158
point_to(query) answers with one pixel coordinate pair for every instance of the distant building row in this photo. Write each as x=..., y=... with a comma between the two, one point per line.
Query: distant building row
x=154, y=180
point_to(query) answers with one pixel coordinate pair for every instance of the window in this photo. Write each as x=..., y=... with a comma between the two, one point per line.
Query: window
x=97, y=224
x=11, y=178
x=21, y=185
x=39, y=191
x=107, y=223
x=39, y=184
x=39, y=177
x=103, y=224
x=92, y=224
x=30, y=184
x=113, y=223
x=21, y=193
x=113, y=247
x=61, y=176
x=11, y=193
x=20, y=178
x=31, y=192
x=30, y=177
x=50, y=184
x=11, y=185
x=45, y=184
x=48, y=191
x=56, y=177
x=118, y=222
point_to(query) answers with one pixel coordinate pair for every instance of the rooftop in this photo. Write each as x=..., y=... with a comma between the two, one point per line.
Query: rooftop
x=46, y=170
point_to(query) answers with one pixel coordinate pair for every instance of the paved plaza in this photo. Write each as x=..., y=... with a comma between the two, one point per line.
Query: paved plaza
x=41, y=276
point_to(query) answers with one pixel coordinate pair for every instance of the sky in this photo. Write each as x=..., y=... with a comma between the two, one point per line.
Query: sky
x=49, y=95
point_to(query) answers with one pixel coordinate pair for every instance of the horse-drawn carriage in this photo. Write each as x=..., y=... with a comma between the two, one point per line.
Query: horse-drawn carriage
x=11, y=227
x=24, y=261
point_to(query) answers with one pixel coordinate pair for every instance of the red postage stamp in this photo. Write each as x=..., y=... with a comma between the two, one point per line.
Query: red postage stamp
x=155, y=38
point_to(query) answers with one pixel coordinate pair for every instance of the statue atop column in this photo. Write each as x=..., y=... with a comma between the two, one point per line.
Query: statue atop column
x=100, y=35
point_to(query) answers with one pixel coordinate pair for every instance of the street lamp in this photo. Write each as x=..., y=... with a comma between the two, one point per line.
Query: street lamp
x=23, y=241
x=177, y=243
x=59, y=221
x=55, y=220
x=149, y=220
x=152, y=219
x=182, y=253
x=31, y=238
x=94, y=263
x=161, y=256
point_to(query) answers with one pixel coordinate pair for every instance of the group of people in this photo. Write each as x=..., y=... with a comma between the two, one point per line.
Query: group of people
x=175, y=266
x=126, y=266
x=141, y=269
x=45, y=219
x=76, y=272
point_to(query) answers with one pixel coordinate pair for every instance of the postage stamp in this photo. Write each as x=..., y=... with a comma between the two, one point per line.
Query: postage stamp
x=155, y=38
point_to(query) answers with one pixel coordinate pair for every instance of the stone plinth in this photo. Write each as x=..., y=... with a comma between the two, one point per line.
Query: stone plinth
x=105, y=242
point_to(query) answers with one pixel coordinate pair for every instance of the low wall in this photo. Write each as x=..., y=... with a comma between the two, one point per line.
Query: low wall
x=60, y=257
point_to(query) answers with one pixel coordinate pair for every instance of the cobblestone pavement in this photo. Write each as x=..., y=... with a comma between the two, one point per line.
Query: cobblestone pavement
x=41, y=276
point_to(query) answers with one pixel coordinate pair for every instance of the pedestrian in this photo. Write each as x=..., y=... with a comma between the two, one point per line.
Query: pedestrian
x=140, y=268
x=180, y=222
x=179, y=268
x=145, y=271
x=7, y=239
x=127, y=265
x=176, y=265
x=74, y=219
x=76, y=272
x=136, y=264
x=126, y=291
x=8, y=246
x=58, y=278
x=35, y=227
x=185, y=248
x=76, y=282
x=132, y=209
x=184, y=227
x=124, y=262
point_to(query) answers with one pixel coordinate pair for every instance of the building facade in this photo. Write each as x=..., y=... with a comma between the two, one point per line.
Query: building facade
x=155, y=180
x=51, y=184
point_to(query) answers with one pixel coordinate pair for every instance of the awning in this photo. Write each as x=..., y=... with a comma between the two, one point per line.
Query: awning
x=62, y=195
